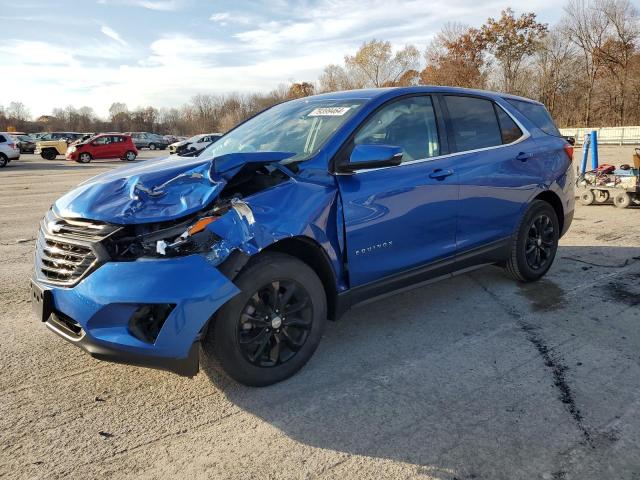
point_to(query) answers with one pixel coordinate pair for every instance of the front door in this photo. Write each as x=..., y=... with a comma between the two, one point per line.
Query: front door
x=403, y=217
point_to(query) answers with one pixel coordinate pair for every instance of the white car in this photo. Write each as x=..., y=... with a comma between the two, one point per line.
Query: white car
x=8, y=149
x=197, y=142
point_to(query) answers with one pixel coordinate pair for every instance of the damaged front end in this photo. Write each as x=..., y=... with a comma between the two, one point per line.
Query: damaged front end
x=158, y=275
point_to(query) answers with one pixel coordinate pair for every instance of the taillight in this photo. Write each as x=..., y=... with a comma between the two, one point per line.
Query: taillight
x=568, y=149
x=14, y=146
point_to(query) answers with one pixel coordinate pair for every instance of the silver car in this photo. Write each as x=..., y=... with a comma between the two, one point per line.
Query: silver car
x=8, y=149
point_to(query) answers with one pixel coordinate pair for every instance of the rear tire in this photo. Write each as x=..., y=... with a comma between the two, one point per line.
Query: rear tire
x=270, y=329
x=535, y=244
x=152, y=146
x=622, y=200
x=130, y=156
x=3, y=160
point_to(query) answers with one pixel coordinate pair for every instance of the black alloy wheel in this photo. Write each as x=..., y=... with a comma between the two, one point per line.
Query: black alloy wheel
x=540, y=246
x=535, y=243
x=270, y=329
x=275, y=323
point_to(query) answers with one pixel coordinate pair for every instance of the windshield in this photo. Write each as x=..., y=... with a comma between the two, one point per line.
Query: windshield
x=300, y=126
x=194, y=139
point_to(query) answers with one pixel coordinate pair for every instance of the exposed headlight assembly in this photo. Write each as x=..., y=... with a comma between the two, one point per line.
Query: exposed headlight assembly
x=184, y=238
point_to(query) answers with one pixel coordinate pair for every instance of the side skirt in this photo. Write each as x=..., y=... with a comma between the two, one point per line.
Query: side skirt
x=492, y=253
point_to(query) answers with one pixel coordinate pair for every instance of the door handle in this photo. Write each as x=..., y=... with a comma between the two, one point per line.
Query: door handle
x=523, y=156
x=440, y=174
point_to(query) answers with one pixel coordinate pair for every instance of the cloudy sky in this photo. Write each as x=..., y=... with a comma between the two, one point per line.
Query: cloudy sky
x=161, y=52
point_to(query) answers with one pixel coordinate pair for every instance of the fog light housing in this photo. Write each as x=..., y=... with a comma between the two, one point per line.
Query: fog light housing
x=147, y=321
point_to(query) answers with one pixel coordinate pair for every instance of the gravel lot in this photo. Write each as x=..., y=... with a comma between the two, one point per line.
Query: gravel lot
x=473, y=378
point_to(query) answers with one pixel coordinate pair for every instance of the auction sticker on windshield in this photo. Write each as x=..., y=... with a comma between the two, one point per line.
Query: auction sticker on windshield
x=329, y=111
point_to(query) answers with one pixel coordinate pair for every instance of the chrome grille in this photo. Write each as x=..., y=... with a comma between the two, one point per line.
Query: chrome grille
x=68, y=249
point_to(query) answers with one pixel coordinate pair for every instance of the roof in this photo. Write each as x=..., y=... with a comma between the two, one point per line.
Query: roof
x=371, y=93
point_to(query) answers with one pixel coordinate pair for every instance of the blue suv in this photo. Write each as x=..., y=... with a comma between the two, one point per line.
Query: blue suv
x=316, y=205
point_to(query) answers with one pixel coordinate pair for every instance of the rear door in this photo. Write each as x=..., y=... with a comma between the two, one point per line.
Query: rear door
x=496, y=164
x=398, y=218
x=118, y=146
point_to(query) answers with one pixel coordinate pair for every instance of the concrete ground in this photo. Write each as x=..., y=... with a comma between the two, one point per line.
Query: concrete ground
x=476, y=377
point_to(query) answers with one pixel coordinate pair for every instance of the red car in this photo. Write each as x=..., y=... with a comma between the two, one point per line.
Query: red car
x=105, y=145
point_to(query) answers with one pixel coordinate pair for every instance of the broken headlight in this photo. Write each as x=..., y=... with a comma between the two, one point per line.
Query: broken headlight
x=173, y=240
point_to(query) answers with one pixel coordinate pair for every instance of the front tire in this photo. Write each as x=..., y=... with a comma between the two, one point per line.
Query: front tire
x=587, y=197
x=84, y=158
x=49, y=154
x=270, y=330
x=535, y=244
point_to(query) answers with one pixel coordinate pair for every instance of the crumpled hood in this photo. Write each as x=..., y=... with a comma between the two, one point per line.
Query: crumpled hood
x=156, y=191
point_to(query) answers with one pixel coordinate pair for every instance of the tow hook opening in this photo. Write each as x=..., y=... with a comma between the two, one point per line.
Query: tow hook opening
x=147, y=321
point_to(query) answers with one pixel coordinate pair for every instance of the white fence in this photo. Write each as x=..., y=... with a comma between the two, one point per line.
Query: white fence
x=606, y=135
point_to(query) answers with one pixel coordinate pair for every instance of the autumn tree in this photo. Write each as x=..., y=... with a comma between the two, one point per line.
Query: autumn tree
x=299, y=90
x=455, y=57
x=511, y=40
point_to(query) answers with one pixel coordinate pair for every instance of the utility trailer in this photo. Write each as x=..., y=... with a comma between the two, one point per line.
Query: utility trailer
x=621, y=186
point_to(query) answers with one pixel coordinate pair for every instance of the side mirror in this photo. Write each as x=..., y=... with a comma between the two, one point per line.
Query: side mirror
x=372, y=156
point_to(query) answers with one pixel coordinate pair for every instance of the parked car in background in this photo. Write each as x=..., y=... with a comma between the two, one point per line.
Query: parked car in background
x=105, y=145
x=50, y=145
x=152, y=141
x=197, y=142
x=311, y=207
x=8, y=149
x=26, y=143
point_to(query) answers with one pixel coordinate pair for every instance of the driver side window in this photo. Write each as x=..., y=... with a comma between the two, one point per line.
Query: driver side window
x=409, y=123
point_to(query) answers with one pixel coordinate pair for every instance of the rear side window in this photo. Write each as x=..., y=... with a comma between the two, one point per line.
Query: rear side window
x=537, y=114
x=2, y=139
x=508, y=128
x=409, y=123
x=474, y=123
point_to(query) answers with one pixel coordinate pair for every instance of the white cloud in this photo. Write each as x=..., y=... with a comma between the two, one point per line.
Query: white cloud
x=112, y=34
x=159, y=5
x=225, y=18
x=163, y=5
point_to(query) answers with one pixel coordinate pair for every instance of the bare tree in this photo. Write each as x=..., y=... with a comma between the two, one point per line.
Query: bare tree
x=617, y=50
x=376, y=62
x=586, y=26
x=554, y=69
x=18, y=111
x=334, y=78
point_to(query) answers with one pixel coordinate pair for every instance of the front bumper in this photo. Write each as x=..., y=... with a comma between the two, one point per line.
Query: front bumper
x=102, y=304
